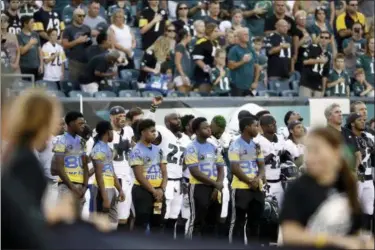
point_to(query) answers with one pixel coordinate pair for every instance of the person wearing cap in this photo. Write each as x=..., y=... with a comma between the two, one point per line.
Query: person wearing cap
x=356, y=123
x=97, y=71
x=271, y=148
x=294, y=144
x=289, y=117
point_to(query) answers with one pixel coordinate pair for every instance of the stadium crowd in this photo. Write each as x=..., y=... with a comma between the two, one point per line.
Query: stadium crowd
x=182, y=48
x=188, y=178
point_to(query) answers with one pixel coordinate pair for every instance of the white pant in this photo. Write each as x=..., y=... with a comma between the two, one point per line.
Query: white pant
x=276, y=189
x=366, y=196
x=90, y=88
x=173, y=199
x=124, y=207
x=225, y=199
x=50, y=196
x=86, y=207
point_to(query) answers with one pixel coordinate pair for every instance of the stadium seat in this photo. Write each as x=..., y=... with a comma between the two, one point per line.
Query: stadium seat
x=279, y=85
x=46, y=84
x=56, y=93
x=105, y=94
x=268, y=93
x=135, y=73
x=126, y=75
x=77, y=94
x=119, y=85
x=150, y=93
x=176, y=94
x=138, y=54
x=289, y=93
x=195, y=94
x=66, y=86
x=129, y=93
x=138, y=37
x=20, y=84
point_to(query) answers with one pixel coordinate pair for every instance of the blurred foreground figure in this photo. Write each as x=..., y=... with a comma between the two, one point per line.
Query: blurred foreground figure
x=33, y=117
x=321, y=208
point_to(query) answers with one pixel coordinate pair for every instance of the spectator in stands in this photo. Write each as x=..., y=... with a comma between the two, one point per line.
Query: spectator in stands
x=237, y=19
x=203, y=57
x=170, y=33
x=354, y=47
x=70, y=8
x=198, y=10
x=361, y=87
x=153, y=58
x=345, y=22
x=122, y=38
x=279, y=13
x=183, y=22
x=254, y=15
x=31, y=61
x=220, y=75
x=310, y=8
x=372, y=123
x=54, y=59
x=45, y=18
x=301, y=40
x=366, y=61
x=14, y=21
x=93, y=19
x=126, y=7
x=97, y=71
x=320, y=24
x=183, y=63
x=28, y=8
x=279, y=52
x=262, y=61
x=242, y=63
x=213, y=13
x=152, y=23
x=230, y=40
x=338, y=82
x=76, y=38
x=200, y=31
x=316, y=65
x=10, y=53
x=103, y=46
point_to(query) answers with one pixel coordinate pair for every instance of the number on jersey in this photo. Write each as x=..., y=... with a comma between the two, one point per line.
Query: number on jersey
x=54, y=23
x=171, y=157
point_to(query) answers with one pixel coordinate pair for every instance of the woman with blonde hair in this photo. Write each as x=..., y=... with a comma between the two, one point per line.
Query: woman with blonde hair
x=122, y=38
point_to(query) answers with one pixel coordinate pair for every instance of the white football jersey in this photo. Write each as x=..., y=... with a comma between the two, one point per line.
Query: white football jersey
x=295, y=150
x=53, y=70
x=220, y=144
x=173, y=149
x=273, y=170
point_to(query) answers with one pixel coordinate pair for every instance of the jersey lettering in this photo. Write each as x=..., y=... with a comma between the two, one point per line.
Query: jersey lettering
x=372, y=67
x=171, y=158
x=339, y=86
x=57, y=61
x=54, y=23
x=318, y=68
x=282, y=53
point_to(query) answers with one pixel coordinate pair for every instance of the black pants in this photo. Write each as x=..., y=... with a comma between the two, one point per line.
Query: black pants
x=247, y=207
x=143, y=202
x=31, y=71
x=240, y=92
x=204, y=211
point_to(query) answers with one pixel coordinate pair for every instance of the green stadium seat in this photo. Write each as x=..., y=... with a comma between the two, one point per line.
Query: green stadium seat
x=77, y=94
x=129, y=93
x=105, y=94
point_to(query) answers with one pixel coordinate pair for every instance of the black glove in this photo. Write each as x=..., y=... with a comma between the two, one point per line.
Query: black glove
x=269, y=159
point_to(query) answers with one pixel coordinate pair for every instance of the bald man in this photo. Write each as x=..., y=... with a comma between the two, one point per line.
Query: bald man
x=76, y=38
x=280, y=10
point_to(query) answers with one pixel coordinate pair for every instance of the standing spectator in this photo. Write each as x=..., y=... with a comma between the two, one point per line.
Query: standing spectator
x=103, y=46
x=200, y=31
x=122, y=37
x=237, y=19
x=279, y=52
x=126, y=7
x=320, y=24
x=354, y=47
x=345, y=22
x=203, y=56
x=213, y=11
x=46, y=19
x=366, y=61
x=198, y=10
x=14, y=19
x=255, y=16
x=242, y=63
x=10, y=53
x=97, y=70
x=310, y=8
x=279, y=13
x=338, y=83
x=220, y=75
x=152, y=23
x=361, y=87
x=70, y=8
x=28, y=8
x=183, y=22
x=31, y=61
x=93, y=19
x=183, y=62
x=301, y=40
x=76, y=38
x=54, y=59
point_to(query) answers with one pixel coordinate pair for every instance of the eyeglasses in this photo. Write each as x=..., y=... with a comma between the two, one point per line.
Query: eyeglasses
x=171, y=30
x=353, y=5
x=82, y=15
x=183, y=8
x=325, y=37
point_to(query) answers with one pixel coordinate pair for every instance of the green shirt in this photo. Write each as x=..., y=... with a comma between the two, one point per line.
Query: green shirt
x=358, y=88
x=224, y=83
x=367, y=64
x=340, y=88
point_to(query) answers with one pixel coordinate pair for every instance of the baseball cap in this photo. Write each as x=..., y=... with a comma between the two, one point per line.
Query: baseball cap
x=352, y=117
x=116, y=110
x=288, y=115
x=293, y=124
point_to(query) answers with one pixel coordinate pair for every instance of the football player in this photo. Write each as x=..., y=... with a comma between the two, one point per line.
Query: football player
x=206, y=164
x=271, y=147
x=173, y=144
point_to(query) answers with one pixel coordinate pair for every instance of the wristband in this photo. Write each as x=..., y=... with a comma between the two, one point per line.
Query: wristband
x=153, y=108
x=321, y=241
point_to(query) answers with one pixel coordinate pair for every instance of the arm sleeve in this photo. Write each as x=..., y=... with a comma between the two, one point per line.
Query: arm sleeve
x=38, y=22
x=136, y=158
x=340, y=22
x=234, y=153
x=59, y=146
x=191, y=157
